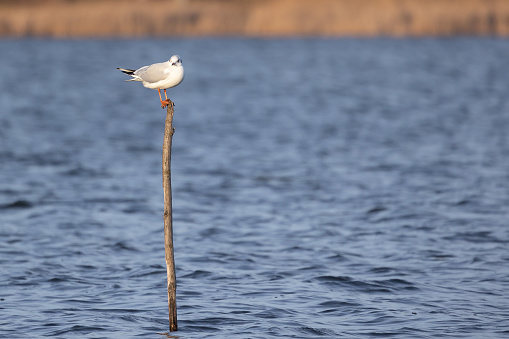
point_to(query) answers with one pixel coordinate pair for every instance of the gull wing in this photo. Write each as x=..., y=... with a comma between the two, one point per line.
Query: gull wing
x=153, y=73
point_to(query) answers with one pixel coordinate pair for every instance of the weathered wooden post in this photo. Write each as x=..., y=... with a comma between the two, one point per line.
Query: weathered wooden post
x=168, y=219
x=162, y=76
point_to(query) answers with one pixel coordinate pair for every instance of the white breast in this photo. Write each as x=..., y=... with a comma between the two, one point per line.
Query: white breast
x=175, y=77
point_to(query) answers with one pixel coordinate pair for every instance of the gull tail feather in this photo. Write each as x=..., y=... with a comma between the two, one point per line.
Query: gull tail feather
x=127, y=71
x=131, y=73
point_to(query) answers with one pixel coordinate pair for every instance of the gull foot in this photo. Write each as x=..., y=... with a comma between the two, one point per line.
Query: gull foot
x=167, y=102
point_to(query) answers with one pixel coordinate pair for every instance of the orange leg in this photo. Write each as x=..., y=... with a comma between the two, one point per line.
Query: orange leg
x=165, y=102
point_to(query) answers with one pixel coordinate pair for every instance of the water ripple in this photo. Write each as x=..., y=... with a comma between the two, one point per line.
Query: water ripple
x=322, y=188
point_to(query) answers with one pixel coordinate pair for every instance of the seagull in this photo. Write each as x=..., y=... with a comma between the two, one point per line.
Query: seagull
x=159, y=76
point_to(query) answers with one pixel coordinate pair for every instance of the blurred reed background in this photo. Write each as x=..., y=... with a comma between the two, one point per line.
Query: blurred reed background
x=91, y=18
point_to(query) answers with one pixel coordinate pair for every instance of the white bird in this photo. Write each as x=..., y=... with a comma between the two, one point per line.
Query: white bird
x=159, y=76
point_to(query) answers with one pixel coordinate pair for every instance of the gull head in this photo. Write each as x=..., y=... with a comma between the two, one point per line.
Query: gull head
x=175, y=60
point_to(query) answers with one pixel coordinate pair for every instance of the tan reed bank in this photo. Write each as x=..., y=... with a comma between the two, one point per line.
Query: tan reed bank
x=105, y=18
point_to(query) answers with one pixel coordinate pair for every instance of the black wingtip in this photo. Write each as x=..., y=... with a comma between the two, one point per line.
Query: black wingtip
x=127, y=71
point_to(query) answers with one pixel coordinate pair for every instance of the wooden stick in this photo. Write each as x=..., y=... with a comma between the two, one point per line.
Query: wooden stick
x=168, y=220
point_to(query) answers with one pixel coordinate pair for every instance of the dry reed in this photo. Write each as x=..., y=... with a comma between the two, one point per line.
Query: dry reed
x=88, y=18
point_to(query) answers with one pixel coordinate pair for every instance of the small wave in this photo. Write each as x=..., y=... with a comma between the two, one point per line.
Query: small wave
x=150, y=270
x=338, y=304
x=396, y=284
x=113, y=200
x=78, y=330
x=198, y=274
x=17, y=204
x=382, y=270
x=44, y=159
x=84, y=172
x=376, y=209
x=183, y=326
x=376, y=286
x=477, y=237
x=314, y=331
x=121, y=245
x=273, y=313
x=221, y=321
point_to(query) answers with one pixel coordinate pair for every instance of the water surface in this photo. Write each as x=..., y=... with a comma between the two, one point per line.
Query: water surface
x=322, y=189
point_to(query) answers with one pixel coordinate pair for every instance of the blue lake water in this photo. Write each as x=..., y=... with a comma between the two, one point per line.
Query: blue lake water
x=322, y=188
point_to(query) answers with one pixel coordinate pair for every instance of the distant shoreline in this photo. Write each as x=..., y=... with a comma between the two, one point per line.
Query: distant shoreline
x=256, y=18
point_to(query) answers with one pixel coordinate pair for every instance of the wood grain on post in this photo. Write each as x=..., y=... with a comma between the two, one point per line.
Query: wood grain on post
x=168, y=220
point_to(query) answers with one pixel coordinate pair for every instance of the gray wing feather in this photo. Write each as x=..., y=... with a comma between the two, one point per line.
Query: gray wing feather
x=152, y=73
